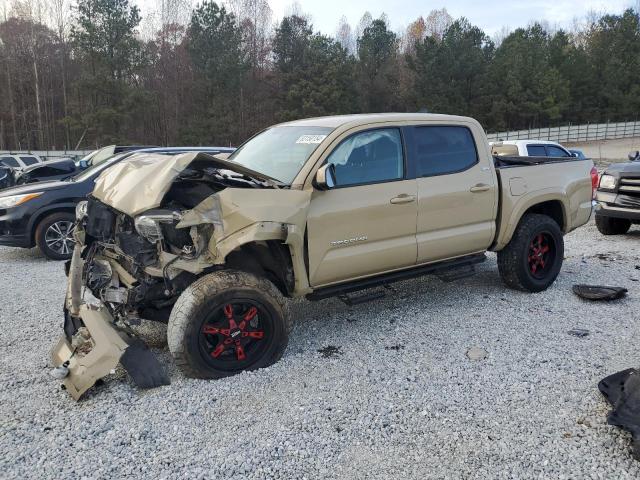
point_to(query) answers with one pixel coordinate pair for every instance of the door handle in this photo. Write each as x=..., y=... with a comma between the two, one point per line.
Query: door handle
x=404, y=198
x=481, y=187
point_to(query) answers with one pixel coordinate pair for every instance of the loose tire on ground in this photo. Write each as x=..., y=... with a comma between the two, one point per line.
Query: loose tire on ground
x=528, y=264
x=612, y=226
x=207, y=306
x=53, y=251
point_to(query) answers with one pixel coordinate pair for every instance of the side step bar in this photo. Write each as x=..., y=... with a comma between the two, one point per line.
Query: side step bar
x=465, y=264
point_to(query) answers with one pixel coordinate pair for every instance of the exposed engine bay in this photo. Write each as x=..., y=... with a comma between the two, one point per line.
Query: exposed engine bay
x=127, y=261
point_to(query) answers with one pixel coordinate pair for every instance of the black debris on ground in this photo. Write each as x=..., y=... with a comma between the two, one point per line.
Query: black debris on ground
x=599, y=292
x=579, y=332
x=622, y=391
x=330, y=351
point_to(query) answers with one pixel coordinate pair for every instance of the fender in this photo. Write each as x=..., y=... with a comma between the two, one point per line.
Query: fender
x=522, y=205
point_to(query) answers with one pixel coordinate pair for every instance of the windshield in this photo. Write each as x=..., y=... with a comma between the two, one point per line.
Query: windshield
x=280, y=152
x=98, y=167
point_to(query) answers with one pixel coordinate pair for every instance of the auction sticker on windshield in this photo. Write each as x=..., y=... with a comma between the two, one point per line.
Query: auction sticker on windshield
x=311, y=139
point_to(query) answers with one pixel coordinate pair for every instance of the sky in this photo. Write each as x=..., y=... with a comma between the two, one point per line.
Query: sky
x=490, y=15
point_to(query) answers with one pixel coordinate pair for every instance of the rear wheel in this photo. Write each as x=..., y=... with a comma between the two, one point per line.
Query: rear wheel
x=227, y=322
x=612, y=226
x=54, y=235
x=533, y=258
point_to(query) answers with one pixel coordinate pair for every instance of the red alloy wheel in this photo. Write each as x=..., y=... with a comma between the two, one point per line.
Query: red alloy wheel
x=234, y=334
x=541, y=255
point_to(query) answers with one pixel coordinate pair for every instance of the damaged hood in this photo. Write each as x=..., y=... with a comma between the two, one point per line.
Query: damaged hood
x=140, y=183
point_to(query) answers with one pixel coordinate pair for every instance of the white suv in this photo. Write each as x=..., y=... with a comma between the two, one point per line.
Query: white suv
x=19, y=161
x=529, y=148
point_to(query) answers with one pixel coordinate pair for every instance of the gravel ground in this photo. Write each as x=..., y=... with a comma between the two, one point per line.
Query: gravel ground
x=380, y=390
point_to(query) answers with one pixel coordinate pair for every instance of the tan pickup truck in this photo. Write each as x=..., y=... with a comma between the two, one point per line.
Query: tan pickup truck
x=312, y=208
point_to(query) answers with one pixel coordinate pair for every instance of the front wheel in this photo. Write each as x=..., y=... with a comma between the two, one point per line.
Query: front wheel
x=54, y=235
x=227, y=322
x=533, y=258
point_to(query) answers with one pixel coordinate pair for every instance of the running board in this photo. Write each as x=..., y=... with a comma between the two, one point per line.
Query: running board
x=462, y=264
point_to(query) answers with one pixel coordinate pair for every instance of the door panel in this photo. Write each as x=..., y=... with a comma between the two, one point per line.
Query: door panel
x=361, y=230
x=457, y=192
x=452, y=220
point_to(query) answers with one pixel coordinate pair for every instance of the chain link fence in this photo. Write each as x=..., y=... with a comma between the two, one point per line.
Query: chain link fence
x=573, y=133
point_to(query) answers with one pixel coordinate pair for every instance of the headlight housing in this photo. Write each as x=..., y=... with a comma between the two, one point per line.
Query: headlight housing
x=148, y=225
x=81, y=210
x=608, y=182
x=15, y=200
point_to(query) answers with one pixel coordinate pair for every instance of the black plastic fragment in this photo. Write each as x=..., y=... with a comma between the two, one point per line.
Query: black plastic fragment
x=579, y=332
x=598, y=292
x=622, y=391
x=143, y=366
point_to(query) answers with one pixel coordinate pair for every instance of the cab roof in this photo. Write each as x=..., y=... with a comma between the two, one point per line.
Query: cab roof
x=366, y=118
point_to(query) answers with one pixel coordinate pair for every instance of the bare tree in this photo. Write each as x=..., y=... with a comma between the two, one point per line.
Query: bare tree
x=344, y=35
x=437, y=23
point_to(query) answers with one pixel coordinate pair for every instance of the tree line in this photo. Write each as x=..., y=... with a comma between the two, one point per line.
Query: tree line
x=84, y=75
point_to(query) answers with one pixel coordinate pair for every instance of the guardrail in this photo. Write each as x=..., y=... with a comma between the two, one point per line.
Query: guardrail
x=573, y=133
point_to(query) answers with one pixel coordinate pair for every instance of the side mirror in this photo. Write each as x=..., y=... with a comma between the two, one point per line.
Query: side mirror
x=325, y=178
x=83, y=164
x=634, y=156
x=575, y=155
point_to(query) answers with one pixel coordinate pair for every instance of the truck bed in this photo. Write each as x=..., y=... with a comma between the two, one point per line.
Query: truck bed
x=528, y=181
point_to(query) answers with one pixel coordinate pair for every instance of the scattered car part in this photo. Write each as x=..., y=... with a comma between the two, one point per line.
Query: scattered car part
x=595, y=292
x=579, y=332
x=622, y=391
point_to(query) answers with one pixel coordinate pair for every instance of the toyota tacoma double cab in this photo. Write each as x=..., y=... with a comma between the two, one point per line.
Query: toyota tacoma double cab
x=213, y=245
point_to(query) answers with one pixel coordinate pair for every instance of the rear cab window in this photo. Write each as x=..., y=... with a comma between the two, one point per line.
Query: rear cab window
x=441, y=150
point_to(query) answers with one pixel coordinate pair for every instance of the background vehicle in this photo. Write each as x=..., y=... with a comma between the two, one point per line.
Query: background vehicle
x=618, y=197
x=529, y=148
x=19, y=161
x=59, y=169
x=43, y=214
x=316, y=208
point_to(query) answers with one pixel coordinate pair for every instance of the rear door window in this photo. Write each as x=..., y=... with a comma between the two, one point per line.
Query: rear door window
x=442, y=150
x=9, y=162
x=536, y=151
x=29, y=160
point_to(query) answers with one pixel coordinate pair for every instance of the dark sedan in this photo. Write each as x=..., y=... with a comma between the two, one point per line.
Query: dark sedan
x=43, y=213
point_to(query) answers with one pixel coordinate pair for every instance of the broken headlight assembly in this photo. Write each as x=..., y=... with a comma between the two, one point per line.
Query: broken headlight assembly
x=608, y=182
x=149, y=225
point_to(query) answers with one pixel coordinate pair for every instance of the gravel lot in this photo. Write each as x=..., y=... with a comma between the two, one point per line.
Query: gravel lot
x=396, y=398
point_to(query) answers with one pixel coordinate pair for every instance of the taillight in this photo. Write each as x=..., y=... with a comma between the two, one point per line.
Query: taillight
x=595, y=179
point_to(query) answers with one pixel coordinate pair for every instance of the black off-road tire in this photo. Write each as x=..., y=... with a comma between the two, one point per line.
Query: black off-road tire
x=41, y=233
x=513, y=260
x=206, y=294
x=612, y=226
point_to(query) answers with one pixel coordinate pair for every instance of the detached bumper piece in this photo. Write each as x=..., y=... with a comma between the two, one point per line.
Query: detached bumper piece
x=96, y=349
x=622, y=390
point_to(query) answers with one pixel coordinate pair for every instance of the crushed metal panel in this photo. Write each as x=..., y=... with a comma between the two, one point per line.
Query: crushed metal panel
x=108, y=345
